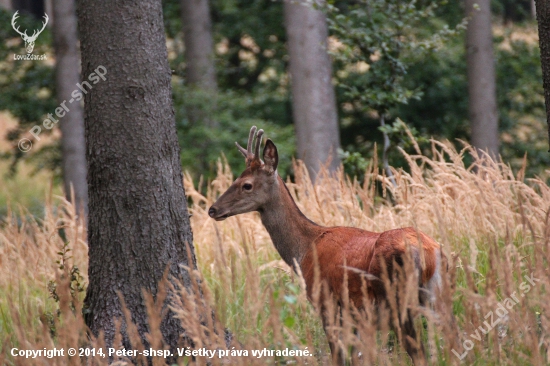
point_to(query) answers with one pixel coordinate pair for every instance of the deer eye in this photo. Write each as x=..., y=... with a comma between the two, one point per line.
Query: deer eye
x=247, y=186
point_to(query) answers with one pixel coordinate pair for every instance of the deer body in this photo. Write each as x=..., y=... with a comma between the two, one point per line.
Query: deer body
x=297, y=238
x=334, y=249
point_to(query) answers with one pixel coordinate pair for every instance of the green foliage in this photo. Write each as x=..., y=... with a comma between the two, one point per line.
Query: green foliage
x=378, y=38
x=396, y=58
x=71, y=274
x=355, y=165
x=512, y=10
x=520, y=99
x=251, y=73
x=251, y=57
x=27, y=87
x=376, y=44
x=234, y=115
x=404, y=136
x=443, y=111
x=408, y=138
x=412, y=66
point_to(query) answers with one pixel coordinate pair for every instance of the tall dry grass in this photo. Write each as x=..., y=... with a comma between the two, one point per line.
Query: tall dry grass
x=491, y=222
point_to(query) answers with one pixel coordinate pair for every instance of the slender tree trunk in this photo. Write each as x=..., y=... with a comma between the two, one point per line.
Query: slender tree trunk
x=5, y=4
x=138, y=223
x=543, y=19
x=199, y=61
x=481, y=77
x=67, y=76
x=385, y=161
x=313, y=100
x=200, y=70
x=199, y=46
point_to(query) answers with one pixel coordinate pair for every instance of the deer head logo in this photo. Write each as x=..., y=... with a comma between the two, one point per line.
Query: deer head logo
x=29, y=40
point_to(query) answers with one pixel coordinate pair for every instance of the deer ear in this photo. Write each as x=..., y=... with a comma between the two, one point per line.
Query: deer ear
x=271, y=157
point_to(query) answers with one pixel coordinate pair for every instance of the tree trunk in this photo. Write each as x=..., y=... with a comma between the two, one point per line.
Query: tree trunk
x=313, y=100
x=481, y=78
x=33, y=7
x=199, y=46
x=200, y=70
x=199, y=61
x=385, y=161
x=6, y=4
x=138, y=223
x=67, y=76
x=543, y=19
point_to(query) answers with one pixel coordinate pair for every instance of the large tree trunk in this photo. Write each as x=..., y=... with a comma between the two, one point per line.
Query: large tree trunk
x=543, y=19
x=313, y=100
x=481, y=77
x=67, y=76
x=138, y=224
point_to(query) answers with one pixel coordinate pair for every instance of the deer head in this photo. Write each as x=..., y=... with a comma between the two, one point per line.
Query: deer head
x=255, y=187
x=29, y=40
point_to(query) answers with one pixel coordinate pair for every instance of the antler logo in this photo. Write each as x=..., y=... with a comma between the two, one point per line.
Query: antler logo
x=29, y=40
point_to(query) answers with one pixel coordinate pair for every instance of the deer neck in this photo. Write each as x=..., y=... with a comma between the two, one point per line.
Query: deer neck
x=290, y=230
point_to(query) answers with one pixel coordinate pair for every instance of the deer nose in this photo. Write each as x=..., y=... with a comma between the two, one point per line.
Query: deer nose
x=212, y=212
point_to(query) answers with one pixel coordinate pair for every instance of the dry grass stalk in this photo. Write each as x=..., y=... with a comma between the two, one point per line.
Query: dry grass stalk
x=492, y=223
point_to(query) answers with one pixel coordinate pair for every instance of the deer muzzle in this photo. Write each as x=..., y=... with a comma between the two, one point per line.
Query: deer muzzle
x=214, y=213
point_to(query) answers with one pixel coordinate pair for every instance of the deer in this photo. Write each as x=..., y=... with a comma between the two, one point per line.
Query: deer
x=29, y=40
x=334, y=256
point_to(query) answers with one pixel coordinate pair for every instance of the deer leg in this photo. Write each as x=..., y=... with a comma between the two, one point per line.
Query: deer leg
x=412, y=344
x=336, y=353
x=355, y=354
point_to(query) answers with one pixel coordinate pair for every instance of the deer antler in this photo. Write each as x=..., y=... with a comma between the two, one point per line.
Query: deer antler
x=254, y=140
x=24, y=34
x=13, y=19
x=36, y=33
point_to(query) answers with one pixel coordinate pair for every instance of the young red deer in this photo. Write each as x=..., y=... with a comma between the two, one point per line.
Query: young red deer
x=341, y=251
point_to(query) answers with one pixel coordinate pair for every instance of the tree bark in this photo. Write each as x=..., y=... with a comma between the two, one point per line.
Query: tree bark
x=5, y=4
x=385, y=161
x=313, y=99
x=543, y=19
x=200, y=69
x=67, y=76
x=199, y=60
x=199, y=46
x=481, y=78
x=138, y=223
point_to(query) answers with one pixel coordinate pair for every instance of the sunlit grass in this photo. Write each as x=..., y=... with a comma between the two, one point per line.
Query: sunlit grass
x=25, y=186
x=491, y=224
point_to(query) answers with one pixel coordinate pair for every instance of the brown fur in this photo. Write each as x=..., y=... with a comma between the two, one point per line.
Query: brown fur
x=339, y=247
